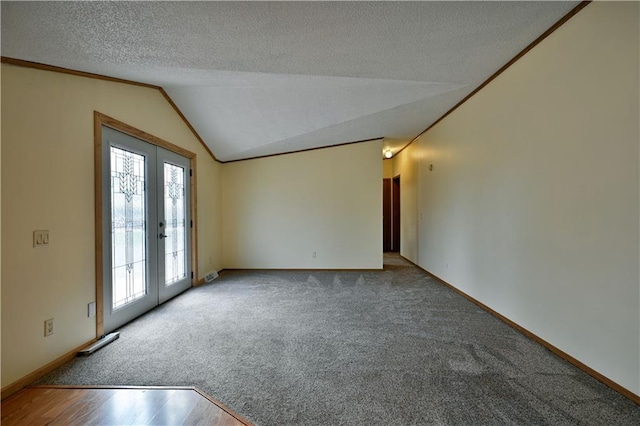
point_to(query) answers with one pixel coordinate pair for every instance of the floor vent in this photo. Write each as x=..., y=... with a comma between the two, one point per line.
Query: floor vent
x=211, y=276
x=99, y=344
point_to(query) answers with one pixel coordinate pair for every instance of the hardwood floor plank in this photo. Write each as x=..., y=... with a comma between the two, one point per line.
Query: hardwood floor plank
x=33, y=406
x=118, y=409
x=204, y=413
x=224, y=408
x=109, y=406
x=176, y=408
x=80, y=411
x=144, y=405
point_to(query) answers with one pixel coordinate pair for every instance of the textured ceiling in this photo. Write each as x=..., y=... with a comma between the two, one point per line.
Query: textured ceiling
x=259, y=78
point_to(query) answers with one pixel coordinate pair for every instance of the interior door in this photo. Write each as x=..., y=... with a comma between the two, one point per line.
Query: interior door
x=146, y=227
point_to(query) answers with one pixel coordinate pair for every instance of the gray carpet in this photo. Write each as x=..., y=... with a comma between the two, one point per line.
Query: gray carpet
x=331, y=348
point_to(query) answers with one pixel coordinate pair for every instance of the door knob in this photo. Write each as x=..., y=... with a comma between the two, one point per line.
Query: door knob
x=162, y=236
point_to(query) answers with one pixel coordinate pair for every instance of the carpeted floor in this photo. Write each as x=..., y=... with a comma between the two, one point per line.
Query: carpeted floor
x=330, y=348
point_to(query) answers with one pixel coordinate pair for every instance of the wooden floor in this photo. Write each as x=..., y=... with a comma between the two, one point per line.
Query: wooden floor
x=68, y=405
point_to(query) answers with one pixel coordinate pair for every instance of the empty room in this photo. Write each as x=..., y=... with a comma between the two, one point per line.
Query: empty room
x=320, y=213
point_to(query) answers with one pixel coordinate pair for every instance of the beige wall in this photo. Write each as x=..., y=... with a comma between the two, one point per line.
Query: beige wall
x=533, y=203
x=387, y=169
x=405, y=166
x=277, y=211
x=47, y=183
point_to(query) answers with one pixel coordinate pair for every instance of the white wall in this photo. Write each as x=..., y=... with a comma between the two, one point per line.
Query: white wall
x=47, y=183
x=278, y=210
x=533, y=203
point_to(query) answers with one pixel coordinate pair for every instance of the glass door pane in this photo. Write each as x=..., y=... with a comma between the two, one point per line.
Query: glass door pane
x=128, y=227
x=175, y=208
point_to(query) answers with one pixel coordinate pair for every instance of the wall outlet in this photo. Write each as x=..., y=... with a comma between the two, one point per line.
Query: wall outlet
x=48, y=327
x=91, y=309
x=313, y=255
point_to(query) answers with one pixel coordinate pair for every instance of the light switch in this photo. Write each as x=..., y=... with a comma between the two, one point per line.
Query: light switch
x=41, y=238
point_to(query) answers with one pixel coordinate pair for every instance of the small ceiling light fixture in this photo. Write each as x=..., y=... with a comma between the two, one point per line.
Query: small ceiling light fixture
x=388, y=153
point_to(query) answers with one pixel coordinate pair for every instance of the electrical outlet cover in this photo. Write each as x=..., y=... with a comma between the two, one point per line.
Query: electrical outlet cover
x=48, y=327
x=91, y=309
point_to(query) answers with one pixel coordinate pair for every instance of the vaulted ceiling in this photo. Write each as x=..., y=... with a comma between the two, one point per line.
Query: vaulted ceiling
x=261, y=78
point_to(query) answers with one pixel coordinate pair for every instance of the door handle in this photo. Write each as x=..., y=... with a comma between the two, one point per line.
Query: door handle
x=161, y=235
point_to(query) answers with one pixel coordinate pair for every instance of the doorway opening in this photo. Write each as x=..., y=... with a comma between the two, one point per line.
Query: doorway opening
x=386, y=215
x=395, y=215
x=391, y=215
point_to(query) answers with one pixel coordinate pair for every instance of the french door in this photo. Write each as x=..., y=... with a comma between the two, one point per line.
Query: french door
x=146, y=226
